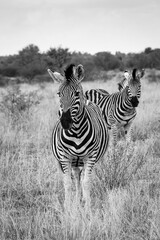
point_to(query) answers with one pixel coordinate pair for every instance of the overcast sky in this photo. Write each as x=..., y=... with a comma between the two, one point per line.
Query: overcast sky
x=80, y=25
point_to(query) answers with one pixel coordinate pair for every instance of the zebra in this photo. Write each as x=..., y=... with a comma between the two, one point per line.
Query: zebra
x=80, y=136
x=119, y=109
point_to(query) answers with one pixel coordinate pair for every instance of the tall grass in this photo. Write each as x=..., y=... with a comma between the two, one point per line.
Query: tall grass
x=125, y=200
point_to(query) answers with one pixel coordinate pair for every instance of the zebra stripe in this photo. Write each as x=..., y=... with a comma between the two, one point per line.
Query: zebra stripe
x=80, y=137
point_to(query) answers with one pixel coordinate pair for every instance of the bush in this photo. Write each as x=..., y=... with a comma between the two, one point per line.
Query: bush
x=119, y=169
x=16, y=105
x=154, y=76
x=3, y=81
x=9, y=71
x=42, y=78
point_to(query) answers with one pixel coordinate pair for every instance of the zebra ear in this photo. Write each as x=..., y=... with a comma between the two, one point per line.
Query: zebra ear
x=141, y=73
x=126, y=74
x=80, y=72
x=56, y=76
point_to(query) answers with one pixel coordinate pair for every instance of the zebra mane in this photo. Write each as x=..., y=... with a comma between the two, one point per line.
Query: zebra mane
x=134, y=73
x=69, y=71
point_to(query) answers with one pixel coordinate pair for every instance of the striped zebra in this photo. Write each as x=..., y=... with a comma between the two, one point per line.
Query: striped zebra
x=80, y=137
x=119, y=109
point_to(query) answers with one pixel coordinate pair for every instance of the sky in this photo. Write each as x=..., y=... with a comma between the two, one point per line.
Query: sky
x=81, y=25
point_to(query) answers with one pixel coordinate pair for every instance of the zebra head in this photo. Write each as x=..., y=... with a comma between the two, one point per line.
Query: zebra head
x=134, y=85
x=70, y=93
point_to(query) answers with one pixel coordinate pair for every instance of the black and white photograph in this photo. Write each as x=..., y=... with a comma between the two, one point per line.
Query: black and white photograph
x=79, y=120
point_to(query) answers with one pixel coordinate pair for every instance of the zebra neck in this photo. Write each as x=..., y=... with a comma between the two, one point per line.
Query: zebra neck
x=80, y=115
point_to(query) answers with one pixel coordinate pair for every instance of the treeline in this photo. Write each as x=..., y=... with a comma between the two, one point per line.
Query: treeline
x=31, y=65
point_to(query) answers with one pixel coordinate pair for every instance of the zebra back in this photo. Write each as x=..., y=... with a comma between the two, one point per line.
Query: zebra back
x=95, y=95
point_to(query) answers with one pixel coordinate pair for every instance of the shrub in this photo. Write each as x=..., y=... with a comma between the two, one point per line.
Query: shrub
x=154, y=76
x=119, y=169
x=16, y=105
x=3, y=81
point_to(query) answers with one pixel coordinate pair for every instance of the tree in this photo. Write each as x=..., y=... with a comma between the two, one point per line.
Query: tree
x=106, y=61
x=30, y=63
x=57, y=57
x=28, y=54
x=9, y=66
x=148, y=50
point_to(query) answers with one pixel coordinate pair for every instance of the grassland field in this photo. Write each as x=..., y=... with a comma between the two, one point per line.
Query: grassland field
x=125, y=191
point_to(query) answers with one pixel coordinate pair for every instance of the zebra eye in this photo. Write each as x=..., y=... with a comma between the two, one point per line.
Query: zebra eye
x=58, y=93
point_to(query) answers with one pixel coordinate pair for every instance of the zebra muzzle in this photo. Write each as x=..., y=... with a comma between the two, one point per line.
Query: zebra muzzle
x=66, y=120
x=134, y=101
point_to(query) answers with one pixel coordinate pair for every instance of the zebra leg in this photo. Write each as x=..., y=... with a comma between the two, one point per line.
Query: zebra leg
x=67, y=187
x=86, y=186
x=128, y=132
x=113, y=138
x=77, y=173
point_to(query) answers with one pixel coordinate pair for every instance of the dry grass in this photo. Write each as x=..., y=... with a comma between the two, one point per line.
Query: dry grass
x=125, y=201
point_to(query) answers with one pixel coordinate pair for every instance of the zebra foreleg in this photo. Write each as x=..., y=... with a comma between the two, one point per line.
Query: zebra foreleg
x=113, y=138
x=128, y=133
x=86, y=186
x=77, y=173
x=67, y=187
